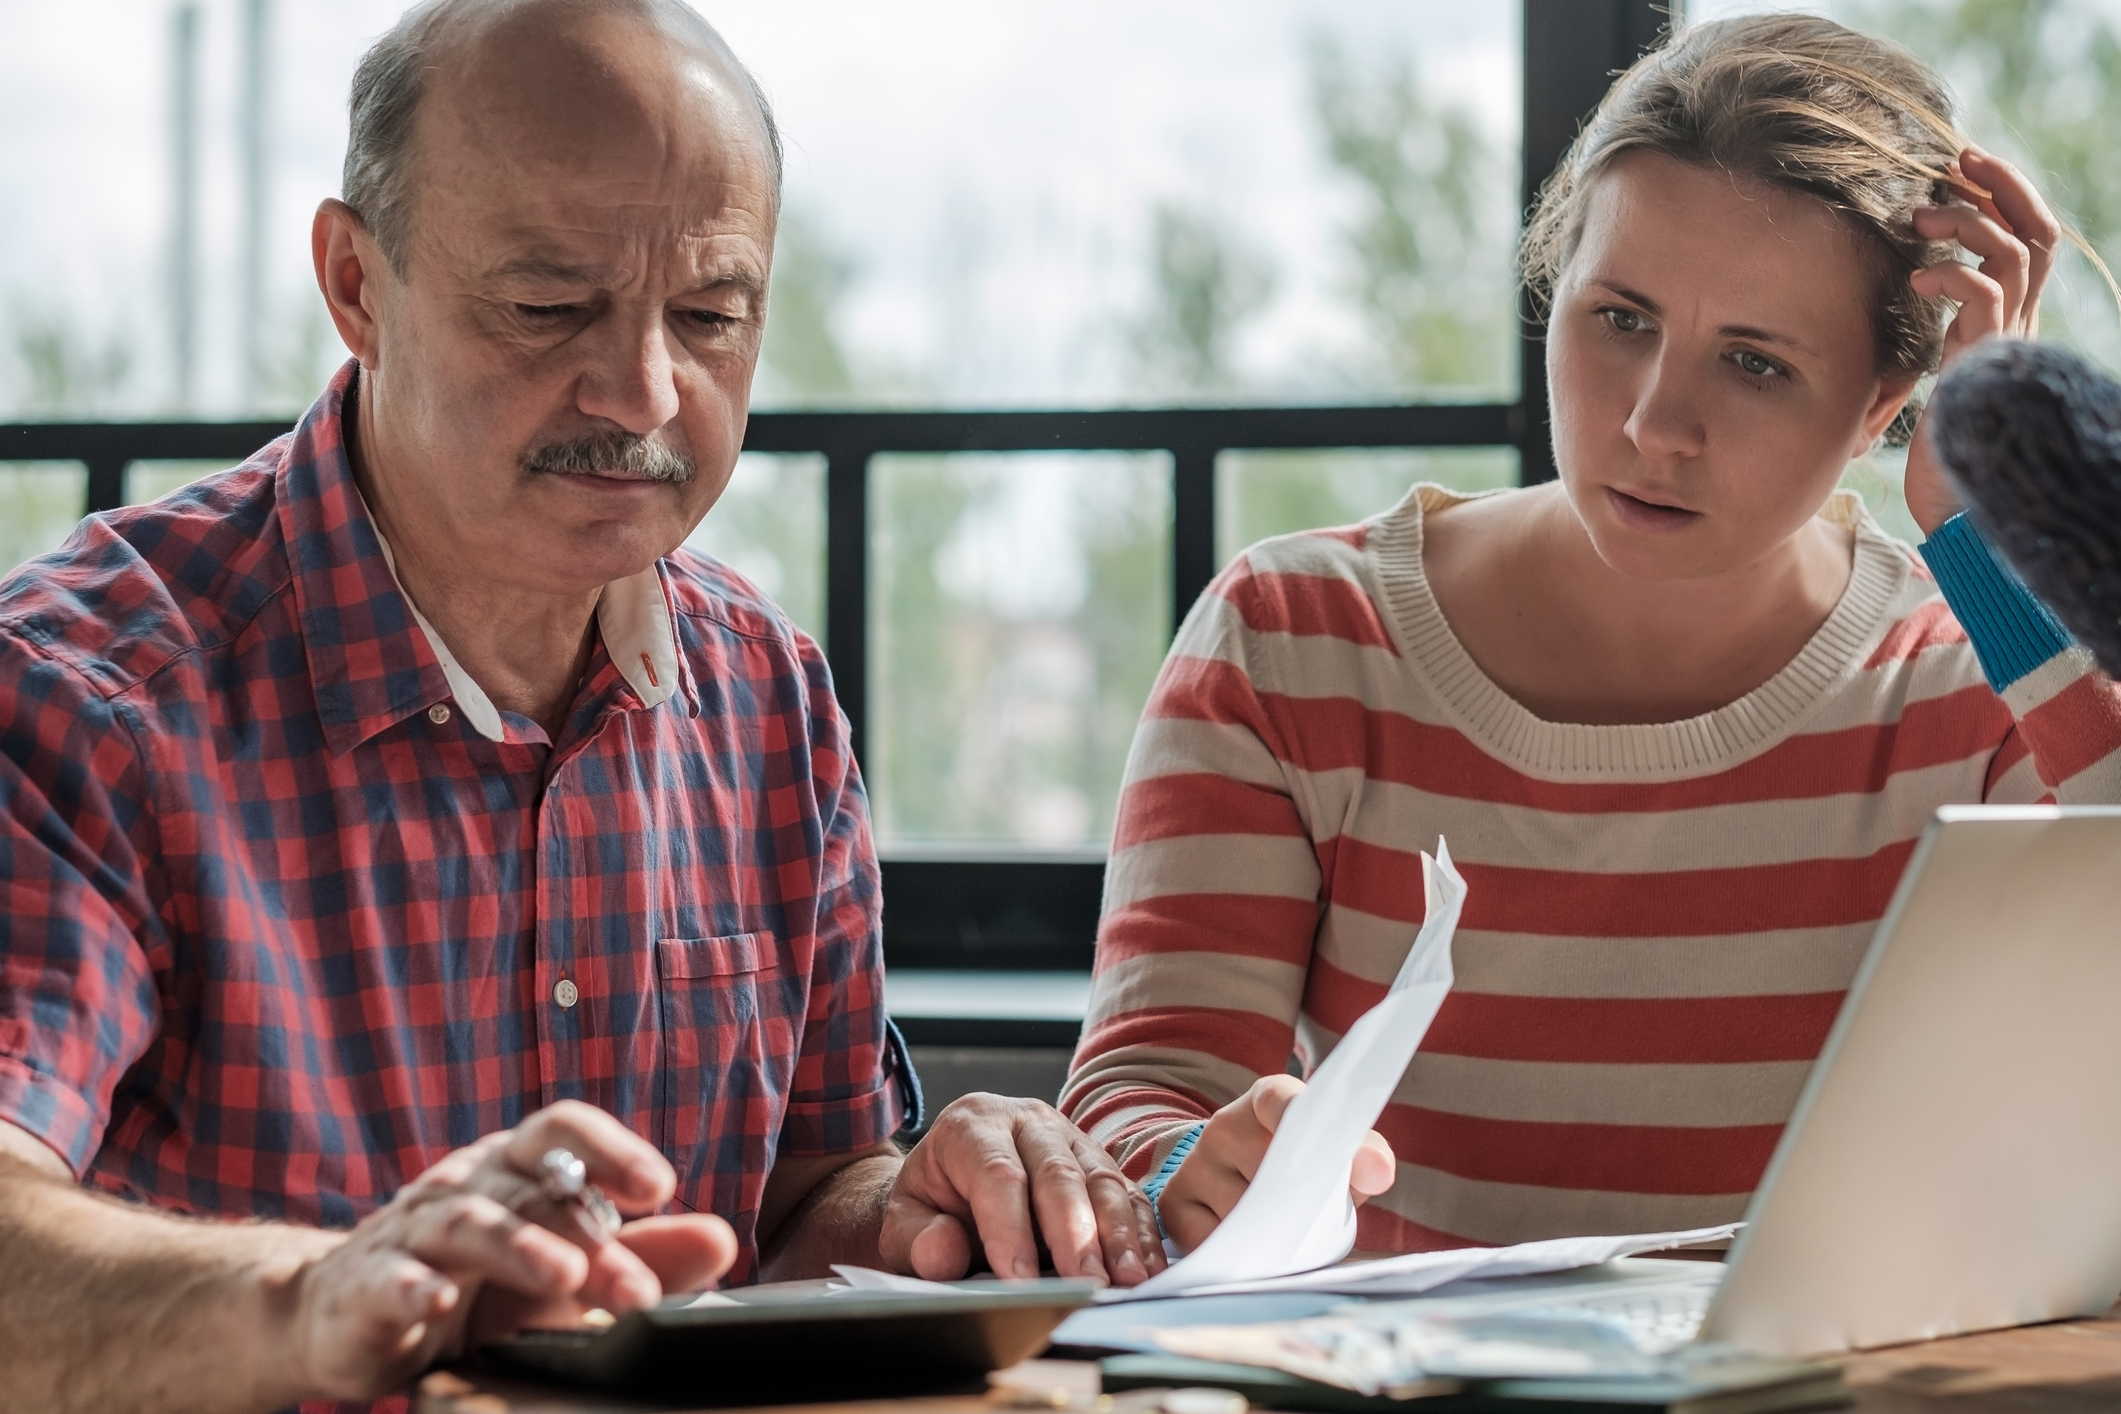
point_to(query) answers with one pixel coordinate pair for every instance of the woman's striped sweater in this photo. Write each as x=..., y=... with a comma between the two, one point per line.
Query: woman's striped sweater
x=1661, y=920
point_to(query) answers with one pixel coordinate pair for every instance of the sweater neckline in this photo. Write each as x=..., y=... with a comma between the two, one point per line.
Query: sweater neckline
x=1574, y=751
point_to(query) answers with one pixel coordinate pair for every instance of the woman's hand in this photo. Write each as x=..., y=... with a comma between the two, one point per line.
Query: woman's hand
x=1214, y=1176
x=2013, y=234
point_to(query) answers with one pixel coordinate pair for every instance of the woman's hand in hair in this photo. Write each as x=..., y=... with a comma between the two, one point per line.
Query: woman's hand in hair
x=1214, y=1176
x=2009, y=230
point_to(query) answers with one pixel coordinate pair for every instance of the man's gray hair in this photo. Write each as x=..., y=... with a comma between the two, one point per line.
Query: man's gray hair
x=392, y=77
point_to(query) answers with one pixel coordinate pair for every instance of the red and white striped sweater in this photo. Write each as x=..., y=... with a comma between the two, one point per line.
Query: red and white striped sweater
x=1661, y=920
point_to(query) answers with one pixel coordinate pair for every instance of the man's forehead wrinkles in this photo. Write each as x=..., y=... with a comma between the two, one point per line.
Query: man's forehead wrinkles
x=693, y=260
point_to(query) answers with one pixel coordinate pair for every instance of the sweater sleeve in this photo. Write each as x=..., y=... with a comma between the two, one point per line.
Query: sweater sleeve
x=1211, y=901
x=2065, y=745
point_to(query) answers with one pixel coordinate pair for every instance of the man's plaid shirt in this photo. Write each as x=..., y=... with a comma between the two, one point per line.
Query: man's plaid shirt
x=279, y=927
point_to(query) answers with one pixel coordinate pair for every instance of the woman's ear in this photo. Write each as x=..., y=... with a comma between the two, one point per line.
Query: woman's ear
x=1894, y=389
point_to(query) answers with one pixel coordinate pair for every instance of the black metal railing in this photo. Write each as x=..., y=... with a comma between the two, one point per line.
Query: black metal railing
x=1021, y=911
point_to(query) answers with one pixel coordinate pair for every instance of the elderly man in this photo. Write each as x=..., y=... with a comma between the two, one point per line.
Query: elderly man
x=398, y=831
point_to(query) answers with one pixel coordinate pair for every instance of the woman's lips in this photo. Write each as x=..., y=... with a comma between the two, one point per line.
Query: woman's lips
x=1648, y=516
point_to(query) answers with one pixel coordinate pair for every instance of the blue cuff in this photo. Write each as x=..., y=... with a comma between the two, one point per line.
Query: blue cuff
x=1153, y=1185
x=2011, y=630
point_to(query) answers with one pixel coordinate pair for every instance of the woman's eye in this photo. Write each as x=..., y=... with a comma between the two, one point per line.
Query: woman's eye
x=1626, y=321
x=1757, y=365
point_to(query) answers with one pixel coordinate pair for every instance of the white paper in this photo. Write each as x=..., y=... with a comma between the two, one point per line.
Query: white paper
x=870, y=1279
x=1296, y=1215
x=1416, y=1272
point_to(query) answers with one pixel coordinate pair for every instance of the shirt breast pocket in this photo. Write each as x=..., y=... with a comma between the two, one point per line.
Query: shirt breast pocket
x=717, y=1093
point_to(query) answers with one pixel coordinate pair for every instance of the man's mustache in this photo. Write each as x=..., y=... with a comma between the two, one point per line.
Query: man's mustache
x=623, y=454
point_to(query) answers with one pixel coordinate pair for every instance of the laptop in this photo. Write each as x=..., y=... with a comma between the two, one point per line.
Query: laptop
x=1954, y=1161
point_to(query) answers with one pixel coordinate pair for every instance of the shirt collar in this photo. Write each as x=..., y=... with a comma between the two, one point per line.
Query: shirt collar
x=631, y=614
x=374, y=658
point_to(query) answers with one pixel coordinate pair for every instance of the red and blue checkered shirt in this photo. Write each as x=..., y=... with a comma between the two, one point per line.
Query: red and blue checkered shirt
x=278, y=929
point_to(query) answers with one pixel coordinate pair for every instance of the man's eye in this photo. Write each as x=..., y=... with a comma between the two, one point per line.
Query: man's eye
x=1758, y=365
x=709, y=318
x=546, y=311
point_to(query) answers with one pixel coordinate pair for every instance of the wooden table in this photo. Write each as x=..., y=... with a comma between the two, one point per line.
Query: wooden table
x=2063, y=1368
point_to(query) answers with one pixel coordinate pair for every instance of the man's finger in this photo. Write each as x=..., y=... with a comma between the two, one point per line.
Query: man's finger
x=980, y=1168
x=618, y=1280
x=685, y=1251
x=1149, y=1236
x=940, y=1249
x=627, y=1167
x=1061, y=1200
x=1112, y=1200
x=470, y=1235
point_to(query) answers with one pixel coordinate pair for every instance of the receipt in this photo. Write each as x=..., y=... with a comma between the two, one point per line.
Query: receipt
x=1295, y=1215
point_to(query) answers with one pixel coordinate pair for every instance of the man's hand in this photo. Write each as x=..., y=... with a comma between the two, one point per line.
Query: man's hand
x=472, y=1249
x=1214, y=1176
x=1009, y=1173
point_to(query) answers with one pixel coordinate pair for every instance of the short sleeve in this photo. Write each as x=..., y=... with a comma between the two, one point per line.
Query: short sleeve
x=78, y=1004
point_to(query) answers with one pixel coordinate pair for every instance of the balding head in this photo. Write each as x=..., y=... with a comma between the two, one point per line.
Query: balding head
x=553, y=270
x=559, y=61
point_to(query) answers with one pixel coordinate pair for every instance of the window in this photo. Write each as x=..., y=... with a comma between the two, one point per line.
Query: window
x=1071, y=303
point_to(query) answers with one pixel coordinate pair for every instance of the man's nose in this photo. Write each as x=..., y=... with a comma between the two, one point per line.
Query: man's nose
x=632, y=381
x=1666, y=420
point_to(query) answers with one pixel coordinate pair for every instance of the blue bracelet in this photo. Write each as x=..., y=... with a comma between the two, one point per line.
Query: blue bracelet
x=1153, y=1185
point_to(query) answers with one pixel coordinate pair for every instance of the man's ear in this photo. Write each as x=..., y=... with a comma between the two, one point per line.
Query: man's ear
x=352, y=273
x=1894, y=389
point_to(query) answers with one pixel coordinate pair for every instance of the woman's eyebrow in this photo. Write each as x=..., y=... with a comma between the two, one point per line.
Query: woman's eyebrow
x=1634, y=297
x=1753, y=332
x=1757, y=335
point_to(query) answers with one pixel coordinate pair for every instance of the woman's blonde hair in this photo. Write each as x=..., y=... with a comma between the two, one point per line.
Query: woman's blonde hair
x=1790, y=101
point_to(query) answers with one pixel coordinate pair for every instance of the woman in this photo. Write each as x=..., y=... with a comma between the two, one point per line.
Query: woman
x=1681, y=715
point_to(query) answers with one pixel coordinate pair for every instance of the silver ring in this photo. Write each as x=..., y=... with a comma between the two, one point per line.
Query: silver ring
x=563, y=1178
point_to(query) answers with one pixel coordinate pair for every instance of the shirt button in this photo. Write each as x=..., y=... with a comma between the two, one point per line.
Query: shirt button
x=565, y=993
x=439, y=713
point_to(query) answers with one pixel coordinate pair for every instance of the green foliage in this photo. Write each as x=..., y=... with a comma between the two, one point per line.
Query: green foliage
x=298, y=362
x=998, y=722
x=40, y=502
x=769, y=526
x=1430, y=249
x=55, y=369
x=920, y=680
x=1262, y=494
x=1205, y=285
x=803, y=363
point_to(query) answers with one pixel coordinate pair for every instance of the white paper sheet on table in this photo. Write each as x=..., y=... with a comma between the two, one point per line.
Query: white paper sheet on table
x=870, y=1279
x=1295, y=1215
x=1416, y=1272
